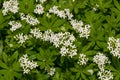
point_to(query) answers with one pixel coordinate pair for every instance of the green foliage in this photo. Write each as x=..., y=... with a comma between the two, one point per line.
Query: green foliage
x=104, y=20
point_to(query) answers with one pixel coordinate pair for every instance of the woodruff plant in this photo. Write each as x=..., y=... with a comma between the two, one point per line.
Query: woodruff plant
x=59, y=40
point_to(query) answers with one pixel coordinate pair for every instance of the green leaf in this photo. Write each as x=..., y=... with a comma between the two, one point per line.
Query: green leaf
x=84, y=77
x=15, y=55
x=31, y=6
x=27, y=6
x=1, y=46
x=88, y=46
x=90, y=52
x=58, y=23
x=102, y=45
x=26, y=29
x=5, y=57
x=117, y=77
x=3, y=65
x=116, y=4
x=74, y=69
x=16, y=66
x=78, y=75
x=1, y=17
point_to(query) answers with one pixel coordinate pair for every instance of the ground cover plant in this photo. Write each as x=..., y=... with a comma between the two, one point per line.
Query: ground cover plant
x=59, y=40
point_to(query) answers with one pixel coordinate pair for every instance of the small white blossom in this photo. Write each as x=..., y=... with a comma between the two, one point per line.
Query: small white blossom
x=82, y=59
x=11, y=5
x=29, y=19
x=42, y=1
x=59, y=13
x=101, y=60
x=114, y=46
x=26, y=64
x=95, y=8
x=52, y=71
x=39, y=9
x=47, y=35
x=54, y=10
x=15, y=25
x=90, y=71
x=72, y=52
x=48, y=15
x=36, y=33
x=83, y=30
x=11, y=45
x=73, y=0
x=63, y=51
x=105, y=75
x=21, y=38
x=69, y=15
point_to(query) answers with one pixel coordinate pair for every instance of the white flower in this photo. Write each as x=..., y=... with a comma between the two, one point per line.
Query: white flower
x=55, y=39
x=61, y=14
x=90, y=71
x=47, y=35
x=105, y=75
x=15, y=25
x=36, y=33
x=73, y=0
x=54, y=10
x=52, y=71
x=26, y=64
x=11, y=5
x=76, y=24
x=11, y=45
x=69, y=15
x=21, y=38
x=82, y=59
x=39, y=9
x=83, y=30
x=48, y=15
x=63, y=51
x=72, y=52
x=42, y=1
x=29, y=19
x=101, y=60
x=114, y=46
x=64, y=41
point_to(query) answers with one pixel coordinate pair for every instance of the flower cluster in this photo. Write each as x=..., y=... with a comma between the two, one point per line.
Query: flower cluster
x=39, y=9
x=29, y=19
x=36, y=33
x=11, y=5
x=82, y=59
x=26, y=64
x=15, y=25
x=68, y=14
x=52, y=71
x=100, y=59
x=64, y=41
x=21, y=38
x=42, y=1
x=78, y=27
x=59, y=13
x=114, y=46
x=105, y=75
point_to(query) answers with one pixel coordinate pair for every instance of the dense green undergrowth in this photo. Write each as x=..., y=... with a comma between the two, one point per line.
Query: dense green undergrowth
x=59, y=40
